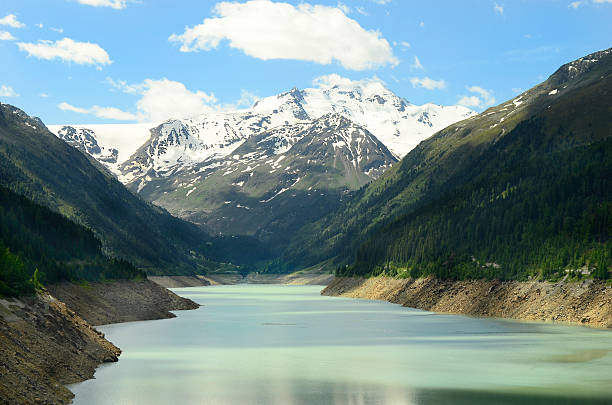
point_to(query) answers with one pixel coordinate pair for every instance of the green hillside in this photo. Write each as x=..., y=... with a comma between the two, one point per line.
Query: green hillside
x=33, y=237
x=522, y=189
x=38, y=165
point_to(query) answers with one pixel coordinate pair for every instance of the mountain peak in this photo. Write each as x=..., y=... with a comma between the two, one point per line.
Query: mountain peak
x=582, y=66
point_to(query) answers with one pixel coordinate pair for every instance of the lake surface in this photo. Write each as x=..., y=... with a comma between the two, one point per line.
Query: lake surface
x=270, y=344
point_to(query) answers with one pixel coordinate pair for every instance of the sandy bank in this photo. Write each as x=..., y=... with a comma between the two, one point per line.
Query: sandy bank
x=588, y=302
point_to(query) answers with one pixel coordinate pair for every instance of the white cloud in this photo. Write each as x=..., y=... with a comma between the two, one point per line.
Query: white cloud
x=417, y=64
x=246, y=100
x=60, y=30
x=7, y=91
x=100, y=112
x=68, y=107
x=577, y=4
x=499, y=9
x=116, y=4
x=11, y=21
x=267, y=30
x=162, y=99
x=361, y=11
x=332, y=80
x=44, y=95
x=6, y=36
x=158, y=101
x=422, y=24
x=480, y=99
x=427, y=83
x=67, y=50
x=345, y=9
x=382, y=2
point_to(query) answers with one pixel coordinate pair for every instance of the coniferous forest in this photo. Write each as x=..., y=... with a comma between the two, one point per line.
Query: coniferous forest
x=38, y=246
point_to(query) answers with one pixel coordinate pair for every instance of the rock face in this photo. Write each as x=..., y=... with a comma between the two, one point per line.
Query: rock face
x=588, y=303
x=45, y=344
x=85, y=140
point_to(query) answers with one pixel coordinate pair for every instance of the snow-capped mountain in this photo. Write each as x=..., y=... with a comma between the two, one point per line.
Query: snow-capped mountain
x=125, y=138
x=180, y=144
x=275, y=181
x=177, y=145
x=393, y=120
x=85, y=140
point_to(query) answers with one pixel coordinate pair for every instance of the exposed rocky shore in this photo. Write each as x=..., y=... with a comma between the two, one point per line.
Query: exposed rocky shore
x=316, y=277
x=46, y=343
x=120, y=301
x=588, y=302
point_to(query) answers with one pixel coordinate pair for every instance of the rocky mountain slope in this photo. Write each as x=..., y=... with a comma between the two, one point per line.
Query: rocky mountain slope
x=521, y=190
x=266, y=171
x=275, y=181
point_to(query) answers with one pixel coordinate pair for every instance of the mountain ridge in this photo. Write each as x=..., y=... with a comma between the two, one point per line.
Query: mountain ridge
x=565, y=112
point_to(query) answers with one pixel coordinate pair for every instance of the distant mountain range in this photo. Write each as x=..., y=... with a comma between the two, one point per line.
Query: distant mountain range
x=270, y=169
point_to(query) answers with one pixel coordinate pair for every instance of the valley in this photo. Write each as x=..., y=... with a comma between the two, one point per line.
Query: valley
x=502, y=213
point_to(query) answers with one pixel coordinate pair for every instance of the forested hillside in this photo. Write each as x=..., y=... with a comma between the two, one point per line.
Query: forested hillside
x=523, y=189
x=35, y=239
x=38, y=165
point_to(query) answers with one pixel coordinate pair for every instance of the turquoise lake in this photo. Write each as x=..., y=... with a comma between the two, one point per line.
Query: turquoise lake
x=271, y=344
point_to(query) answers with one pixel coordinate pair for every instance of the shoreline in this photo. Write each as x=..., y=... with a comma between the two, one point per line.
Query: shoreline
x=48, y=341
x=587, y=303
x=297, y=278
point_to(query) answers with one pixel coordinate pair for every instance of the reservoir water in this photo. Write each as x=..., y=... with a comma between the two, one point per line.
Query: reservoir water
x=270, y=344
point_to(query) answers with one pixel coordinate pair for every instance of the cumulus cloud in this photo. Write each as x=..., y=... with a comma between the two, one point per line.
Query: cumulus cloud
x=6, y=36
x=480, y=98
x=158, y=101
x=116, y=4
x=7, y=91
x=100, y=112
x=12, y=21
x=267, y=30
x=67, y=50
x=427, y=83
x=162, y=99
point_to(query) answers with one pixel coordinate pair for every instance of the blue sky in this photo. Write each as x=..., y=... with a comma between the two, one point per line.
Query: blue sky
x=112, y=61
